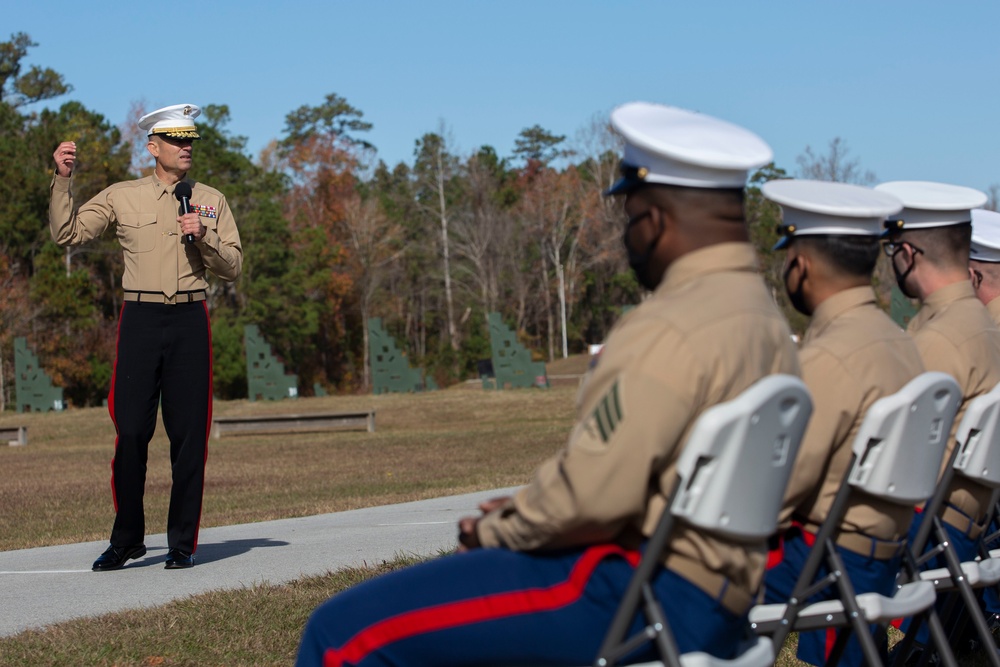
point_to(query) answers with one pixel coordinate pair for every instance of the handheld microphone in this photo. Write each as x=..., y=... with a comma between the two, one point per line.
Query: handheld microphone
x=183, y=193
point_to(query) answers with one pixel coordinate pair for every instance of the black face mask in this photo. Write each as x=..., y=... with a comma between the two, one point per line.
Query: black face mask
x=902, y=275
x=640, y=261
x=797, y=298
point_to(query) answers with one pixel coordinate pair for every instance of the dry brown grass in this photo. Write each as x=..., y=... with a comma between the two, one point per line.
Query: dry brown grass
x=56, y=490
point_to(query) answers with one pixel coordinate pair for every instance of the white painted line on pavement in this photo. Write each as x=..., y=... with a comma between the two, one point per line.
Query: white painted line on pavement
x=42, y=571
x=415, y=523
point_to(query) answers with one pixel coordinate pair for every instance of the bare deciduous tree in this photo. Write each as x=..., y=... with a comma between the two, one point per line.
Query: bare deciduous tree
x=993, y=204
x=481, y=227
x=435, y=167
x=375, y=243
x=835, y=165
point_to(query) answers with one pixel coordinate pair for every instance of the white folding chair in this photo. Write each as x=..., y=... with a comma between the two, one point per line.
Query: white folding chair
x=896, y=456
x=731, y=477
x=976, y=456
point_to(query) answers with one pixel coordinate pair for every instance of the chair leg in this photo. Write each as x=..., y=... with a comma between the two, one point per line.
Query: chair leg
x=855, y=617
x=939, y=639
x=664, y=637
x=979, y=622
x=613, y=648
x=938, y=643
x=968, y=597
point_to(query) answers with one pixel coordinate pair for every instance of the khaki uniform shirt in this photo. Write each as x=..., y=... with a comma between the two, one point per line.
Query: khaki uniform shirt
x=955, y=335
x=993, y=307
x=144, y=212
x=852, y=355
x=708, y=332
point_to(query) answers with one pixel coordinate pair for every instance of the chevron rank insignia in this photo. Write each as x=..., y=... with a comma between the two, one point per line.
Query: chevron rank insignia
x=204, y=210
x=608, y=413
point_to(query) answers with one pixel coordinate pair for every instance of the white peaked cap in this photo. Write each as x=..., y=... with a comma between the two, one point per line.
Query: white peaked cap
x=175, y=121
x=675, y=146
x=825, y=207
x=927, y=204
x=985, y=236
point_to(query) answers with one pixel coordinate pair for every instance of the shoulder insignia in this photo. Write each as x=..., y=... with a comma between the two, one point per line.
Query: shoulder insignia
x=204, y=210
x=608, y=413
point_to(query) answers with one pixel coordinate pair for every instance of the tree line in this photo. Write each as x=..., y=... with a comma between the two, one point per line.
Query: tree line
x=333, y=236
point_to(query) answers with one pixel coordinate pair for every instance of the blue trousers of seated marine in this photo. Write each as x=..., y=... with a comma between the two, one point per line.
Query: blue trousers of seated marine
x=867, y=575
x=500, y=607
x=991, y=601
x=965, y=548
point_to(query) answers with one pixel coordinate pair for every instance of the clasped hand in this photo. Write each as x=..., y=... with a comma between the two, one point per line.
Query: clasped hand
x=467, y=537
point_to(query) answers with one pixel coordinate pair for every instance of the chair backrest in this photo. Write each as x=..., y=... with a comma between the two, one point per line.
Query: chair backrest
x=901, y=442
x=736, y=462
x=978, y=439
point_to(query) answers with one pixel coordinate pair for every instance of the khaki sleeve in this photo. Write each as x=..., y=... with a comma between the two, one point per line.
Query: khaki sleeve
x=87, y=224
x=221, y=250
x=833, y=392
x=600, y=481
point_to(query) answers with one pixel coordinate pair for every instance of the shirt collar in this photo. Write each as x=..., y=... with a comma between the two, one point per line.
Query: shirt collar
x=941, y=299
x=713, y=259
x=837, y=305
x=994, y=308
x=162, y=188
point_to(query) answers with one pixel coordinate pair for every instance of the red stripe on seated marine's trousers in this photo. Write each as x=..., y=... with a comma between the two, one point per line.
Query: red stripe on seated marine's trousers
x=476, y=610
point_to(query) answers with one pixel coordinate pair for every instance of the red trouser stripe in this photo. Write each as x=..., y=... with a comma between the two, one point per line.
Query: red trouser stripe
x=776, y=555
x=208, y=423
x=476, y=610
x=111, y=405
x=831, y=639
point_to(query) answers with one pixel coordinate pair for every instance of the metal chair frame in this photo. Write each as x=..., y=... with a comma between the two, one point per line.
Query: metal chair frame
x=752, y=439
x=976, y=455
x=885, y=463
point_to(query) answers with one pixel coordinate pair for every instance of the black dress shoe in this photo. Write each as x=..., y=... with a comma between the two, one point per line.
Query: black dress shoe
x=116, y=557
x=178, y=560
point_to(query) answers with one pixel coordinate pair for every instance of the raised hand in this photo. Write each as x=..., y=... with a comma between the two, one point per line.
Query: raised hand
x=65, y=157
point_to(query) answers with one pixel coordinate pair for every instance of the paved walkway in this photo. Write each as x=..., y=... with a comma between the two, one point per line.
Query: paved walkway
x=52, y=584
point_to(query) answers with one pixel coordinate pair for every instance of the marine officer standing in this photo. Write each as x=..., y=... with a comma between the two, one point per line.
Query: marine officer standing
x=172, y=231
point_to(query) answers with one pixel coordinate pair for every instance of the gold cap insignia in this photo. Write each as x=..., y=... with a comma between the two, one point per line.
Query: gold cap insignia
x=785, y=230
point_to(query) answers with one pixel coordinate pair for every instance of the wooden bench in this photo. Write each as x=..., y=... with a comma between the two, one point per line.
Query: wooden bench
x=311, y=423
x=16, y=436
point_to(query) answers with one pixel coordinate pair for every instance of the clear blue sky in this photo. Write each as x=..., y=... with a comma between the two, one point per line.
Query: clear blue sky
x=913, y=87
